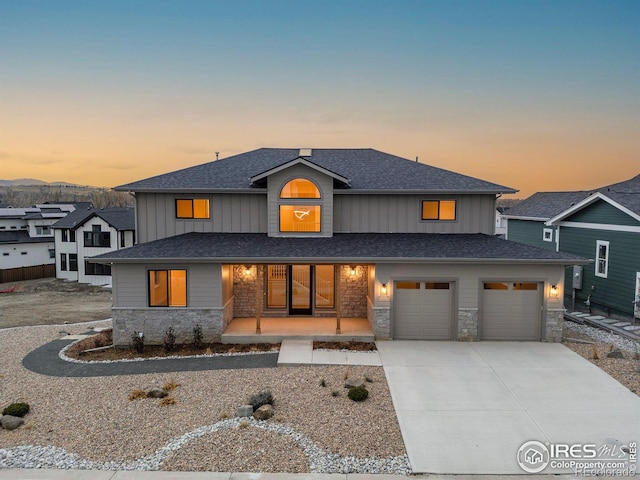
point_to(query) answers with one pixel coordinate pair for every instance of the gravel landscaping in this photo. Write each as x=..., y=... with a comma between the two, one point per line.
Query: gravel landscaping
x=91, y=423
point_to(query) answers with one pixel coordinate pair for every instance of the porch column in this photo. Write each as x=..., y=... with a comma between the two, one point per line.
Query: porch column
x=338, y=332
x=258, y=299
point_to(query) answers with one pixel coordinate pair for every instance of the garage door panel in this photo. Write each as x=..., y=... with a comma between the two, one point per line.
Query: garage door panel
x=424, y=313
x=511, y=314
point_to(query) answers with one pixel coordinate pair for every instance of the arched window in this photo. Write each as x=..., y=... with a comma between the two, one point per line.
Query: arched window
x=300, y=188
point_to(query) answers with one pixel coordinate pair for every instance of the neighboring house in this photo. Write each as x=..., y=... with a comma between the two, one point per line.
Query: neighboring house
x=501, y=222
x=26, y=240
x=90, y=232
x=603, y=225
x=339, y=233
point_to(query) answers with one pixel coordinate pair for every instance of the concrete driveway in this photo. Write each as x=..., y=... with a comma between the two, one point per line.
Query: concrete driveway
x=466, y=408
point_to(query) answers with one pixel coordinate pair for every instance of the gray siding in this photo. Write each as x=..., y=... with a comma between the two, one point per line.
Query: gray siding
x=402, y=214
x=156, y=217
x=204, y=285
x=614, y=294
x=530, y=232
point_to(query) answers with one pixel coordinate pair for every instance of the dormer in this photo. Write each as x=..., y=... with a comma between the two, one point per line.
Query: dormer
x=300, y=197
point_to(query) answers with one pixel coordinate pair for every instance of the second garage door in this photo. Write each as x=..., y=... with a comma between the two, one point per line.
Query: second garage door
x=422, y=310
x=510, y=311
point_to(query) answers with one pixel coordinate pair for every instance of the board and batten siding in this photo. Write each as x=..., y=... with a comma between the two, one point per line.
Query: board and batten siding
x=530, y=232
x=367, y=213
x=617, y=291
x=230, y=212
x=130, y=284
x=324, y=183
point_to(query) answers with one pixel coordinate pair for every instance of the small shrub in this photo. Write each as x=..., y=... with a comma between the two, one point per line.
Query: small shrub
x=335, y=393
x=260, y=399
x=19, y=409
x=323, y=383
x=368, y=379
x=594, y=352
x=137, y=341
x=169, y=340
x=279, y=418
x=346, y=373
x=137, y=394
x=170, y=386
x=223, y=416
x=244, y=423
x=358, y=394
x=167, y=401
x=198, y=337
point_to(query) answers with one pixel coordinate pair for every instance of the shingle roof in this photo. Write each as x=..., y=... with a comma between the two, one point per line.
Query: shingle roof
x=118, y=218
x=545, y=205
x=371, y=247
x=625, y=193
x=22, y=236
x=366, y=169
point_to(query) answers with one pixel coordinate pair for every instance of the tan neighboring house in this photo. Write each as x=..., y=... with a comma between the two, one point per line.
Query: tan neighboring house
x=307, y=235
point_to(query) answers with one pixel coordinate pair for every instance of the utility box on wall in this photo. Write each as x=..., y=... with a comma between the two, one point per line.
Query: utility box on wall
x=577, y=277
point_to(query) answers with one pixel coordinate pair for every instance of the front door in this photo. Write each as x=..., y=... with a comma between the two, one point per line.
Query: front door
x=300, y=289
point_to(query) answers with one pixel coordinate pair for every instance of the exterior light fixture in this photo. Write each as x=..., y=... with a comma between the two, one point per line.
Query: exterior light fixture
x=353, y=270
x=383, y=289
x=247, y=270
x=553, y=291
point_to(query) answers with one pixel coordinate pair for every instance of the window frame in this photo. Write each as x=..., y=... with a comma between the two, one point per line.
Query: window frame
x=73, y=262
x=311, y=202
x=63, y=263
x=548, y=231
x=605, y=261
x=93, y=269
x=193, y=209
x=168, y=282
x=439, y=219
x=97, y=238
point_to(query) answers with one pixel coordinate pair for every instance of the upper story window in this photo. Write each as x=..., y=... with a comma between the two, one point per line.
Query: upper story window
x=305, y=214
x=602, y=258
x=97, y=238
x=192, y=208
x=438, y=210
x=68, y=235
x=43, y=230
x=300, y=188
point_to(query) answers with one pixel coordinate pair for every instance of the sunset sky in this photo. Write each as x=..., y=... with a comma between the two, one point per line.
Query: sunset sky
x=535, y=95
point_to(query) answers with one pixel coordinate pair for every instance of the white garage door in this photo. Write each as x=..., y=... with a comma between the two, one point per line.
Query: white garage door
x=422, y=310
x=510, y=311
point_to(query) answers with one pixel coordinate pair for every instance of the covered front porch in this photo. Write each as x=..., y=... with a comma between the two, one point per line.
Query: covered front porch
x=275, y=329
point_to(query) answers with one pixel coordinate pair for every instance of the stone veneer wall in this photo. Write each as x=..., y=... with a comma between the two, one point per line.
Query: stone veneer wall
x=468, y=324
x=244, y=292
x=353, y=291
x=554, y=321
x=154, y=322
x=380, y=320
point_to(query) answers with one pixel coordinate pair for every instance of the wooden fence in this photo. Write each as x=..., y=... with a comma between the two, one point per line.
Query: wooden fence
x=27, y=273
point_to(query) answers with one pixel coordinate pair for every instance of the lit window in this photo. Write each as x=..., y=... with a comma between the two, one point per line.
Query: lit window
x=192, y=208
x=438, y=210
x=325, y=286
x=300, y=218
x=408, y=285
x=167, y=288
x=602, y=258
x=525, y=286
x=496, y=286
x=300, y=188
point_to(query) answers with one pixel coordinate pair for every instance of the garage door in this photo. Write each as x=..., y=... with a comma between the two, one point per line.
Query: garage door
x=422, y=310
x=510, y=311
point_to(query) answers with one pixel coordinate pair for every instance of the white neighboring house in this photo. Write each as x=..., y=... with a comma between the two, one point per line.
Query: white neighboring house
x=26, y=236
x=86, y=233
x=501, y=222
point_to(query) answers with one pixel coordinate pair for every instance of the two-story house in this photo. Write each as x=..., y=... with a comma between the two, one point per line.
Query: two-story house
x=306, y=235
x=89, y=232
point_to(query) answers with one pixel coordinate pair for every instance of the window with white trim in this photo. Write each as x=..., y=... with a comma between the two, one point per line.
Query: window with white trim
x=547, y=235
x=602, y=258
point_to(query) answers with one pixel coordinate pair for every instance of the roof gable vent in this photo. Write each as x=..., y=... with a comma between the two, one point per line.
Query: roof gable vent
x=305, y=152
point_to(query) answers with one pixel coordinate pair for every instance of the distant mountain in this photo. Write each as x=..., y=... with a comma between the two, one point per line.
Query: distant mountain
x=33, y=181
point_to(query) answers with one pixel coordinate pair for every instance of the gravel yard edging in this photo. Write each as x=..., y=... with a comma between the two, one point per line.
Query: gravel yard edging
x=320, y=461
x=620, y=342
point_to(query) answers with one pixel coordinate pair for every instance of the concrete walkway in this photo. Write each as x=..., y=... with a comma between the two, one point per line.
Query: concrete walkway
x=301, y=352
x=466, y=408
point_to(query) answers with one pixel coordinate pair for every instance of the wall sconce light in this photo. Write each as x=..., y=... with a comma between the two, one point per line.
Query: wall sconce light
x=553, y=291
x=383, y=289
x=247, y=270
x=352, y=270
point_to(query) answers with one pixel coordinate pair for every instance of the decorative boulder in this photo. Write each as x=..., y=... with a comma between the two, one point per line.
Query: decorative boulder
x=265, y=412
x=9, y=422
x=616, y=353
x=244, y=411
x=354, y=382
x=156, y=393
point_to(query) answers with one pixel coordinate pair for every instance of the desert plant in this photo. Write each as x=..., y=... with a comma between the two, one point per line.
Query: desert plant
x=335, y=393
x=358, y=394
x=279, y=418
x=170, y=386
x=368, y=379
x=260, y=399
x=167, y=401
x=244, y=423
x=323, y=383
x=594, y=352
x=137, y=394
x=223, y=416
x=198, y=337
x=137, y=341
x=19, y=409
x=347, y=373
x=169, y=340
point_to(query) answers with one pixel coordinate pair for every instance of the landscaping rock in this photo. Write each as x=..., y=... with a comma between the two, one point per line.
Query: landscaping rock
x=244, y=411
x=156, y=393
x=9, y=422
x=265, y=412
x=615, y=353
x=354, y=382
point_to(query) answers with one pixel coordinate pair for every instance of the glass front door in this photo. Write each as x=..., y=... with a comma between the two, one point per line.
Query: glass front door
x=300, y=289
